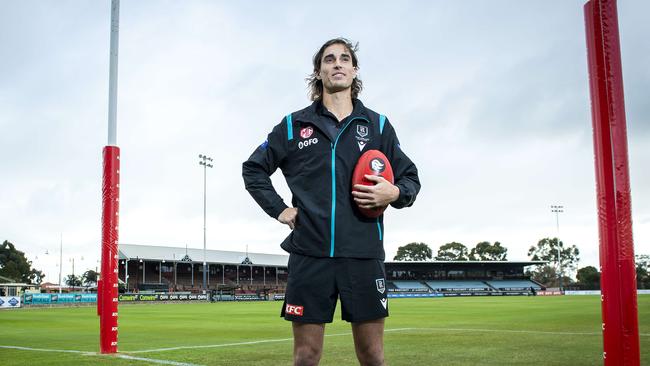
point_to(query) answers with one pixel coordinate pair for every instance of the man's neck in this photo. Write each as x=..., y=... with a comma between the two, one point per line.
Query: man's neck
x=339, y=104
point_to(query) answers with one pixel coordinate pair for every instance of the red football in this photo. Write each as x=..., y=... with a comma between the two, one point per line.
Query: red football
x=372, y=162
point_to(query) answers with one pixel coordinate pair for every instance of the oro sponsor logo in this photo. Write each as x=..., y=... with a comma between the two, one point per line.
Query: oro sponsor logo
x=306, y=132
x=293, y=309
x=309, y=142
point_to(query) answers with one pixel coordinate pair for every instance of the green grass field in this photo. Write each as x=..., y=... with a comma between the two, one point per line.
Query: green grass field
x=440, y=331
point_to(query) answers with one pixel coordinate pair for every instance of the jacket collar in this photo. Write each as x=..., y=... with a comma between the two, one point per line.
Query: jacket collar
x=358, y=109
x=318, y=115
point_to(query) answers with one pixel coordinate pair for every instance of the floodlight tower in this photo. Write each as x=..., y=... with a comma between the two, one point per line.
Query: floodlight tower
x=557, y=210
x=206, y=163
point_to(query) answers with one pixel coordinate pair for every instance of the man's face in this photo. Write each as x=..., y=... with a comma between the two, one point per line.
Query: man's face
x=336, y=69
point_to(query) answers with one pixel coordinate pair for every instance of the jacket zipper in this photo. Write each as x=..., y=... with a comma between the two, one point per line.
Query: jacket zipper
x=333, y=146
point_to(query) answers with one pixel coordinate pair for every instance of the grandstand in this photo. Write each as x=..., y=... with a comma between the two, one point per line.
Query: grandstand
x=458, y=285
x=455, y=278
x=513, y=285
x=409, y=286
x=171, y=269
x=174, y=269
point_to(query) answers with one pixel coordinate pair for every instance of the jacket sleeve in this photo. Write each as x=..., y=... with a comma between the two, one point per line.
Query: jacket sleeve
x=405, y=172
x=259, y=167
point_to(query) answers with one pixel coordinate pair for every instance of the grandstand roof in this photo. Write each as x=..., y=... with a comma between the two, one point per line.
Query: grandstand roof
x=4, y=279
x=183, y=254
x=159, y=253
x=517, y=263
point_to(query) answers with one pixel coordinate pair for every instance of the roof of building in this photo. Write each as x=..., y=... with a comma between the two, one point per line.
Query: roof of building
x=17, y=285
x=466, y=263
x=182, y=254
x=516, y=263
x=4, y=279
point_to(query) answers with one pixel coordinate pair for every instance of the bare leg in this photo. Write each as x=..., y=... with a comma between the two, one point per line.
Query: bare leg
x=307, y=343
x=369, y=342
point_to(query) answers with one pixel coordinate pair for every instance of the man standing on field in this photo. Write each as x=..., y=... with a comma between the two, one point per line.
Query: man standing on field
x=335, y=251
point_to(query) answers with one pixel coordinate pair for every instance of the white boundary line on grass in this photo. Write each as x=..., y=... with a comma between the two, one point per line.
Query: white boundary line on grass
x=248, y=342
x=508, y=331
x=87, y=353
x=519, y=331
x=514, y=331
x=49, y=350
x=124, y=354
x=387, y=331
x=161, y=362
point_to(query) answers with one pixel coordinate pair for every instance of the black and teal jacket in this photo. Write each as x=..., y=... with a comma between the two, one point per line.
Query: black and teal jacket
x=318, y=169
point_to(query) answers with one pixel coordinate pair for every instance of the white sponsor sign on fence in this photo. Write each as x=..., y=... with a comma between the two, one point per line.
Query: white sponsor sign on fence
x=597, y=292
x=9, y=301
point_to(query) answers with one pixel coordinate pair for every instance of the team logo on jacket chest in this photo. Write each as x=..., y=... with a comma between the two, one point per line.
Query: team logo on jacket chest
x=362, y=139
x=306, y=133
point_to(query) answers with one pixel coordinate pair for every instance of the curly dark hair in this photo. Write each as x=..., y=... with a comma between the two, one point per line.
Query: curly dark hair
x=316, y=86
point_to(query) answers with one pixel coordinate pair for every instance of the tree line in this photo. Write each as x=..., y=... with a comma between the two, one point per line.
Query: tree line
x=454, y=251
x=560, y=258
x=16, y=267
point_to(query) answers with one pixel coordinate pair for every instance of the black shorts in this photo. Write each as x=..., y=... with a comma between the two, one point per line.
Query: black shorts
x=315, y=284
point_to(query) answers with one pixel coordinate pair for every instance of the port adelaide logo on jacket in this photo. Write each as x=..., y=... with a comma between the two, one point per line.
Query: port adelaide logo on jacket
x=362, y=139
x=307, y=140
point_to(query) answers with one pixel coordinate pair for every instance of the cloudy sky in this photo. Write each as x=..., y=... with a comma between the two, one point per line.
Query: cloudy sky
x=490, y=100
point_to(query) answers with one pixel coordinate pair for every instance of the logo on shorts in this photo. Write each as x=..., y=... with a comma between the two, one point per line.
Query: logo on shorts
x=306, y=132
x=381, y=286
x=384, y=303
x=293, y=309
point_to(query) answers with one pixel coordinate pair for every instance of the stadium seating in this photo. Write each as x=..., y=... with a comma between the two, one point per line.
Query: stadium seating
x=409, y=285
x=458, y=285
x=513, y=284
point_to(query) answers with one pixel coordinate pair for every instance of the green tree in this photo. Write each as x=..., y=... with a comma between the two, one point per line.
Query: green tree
x=546, y=275
x=413, y=252
x=452, y=252
x=484, y=251
x=642, y=271
x=73, y=280
x=589, y=278
x=37, y=276
x=14, y=264
x=89, y=278
x=547, y=250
